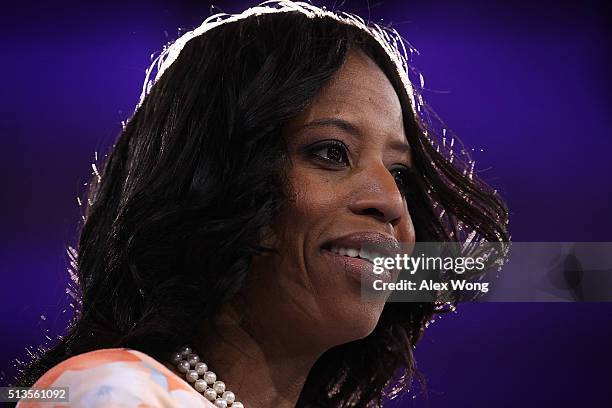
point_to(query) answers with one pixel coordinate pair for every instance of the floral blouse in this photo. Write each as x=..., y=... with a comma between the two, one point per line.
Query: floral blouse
x=117, y=378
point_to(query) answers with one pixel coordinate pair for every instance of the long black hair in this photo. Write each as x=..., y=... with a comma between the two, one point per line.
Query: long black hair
x=173, y=217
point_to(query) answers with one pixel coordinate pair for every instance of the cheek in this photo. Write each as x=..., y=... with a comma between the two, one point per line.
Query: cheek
x=406, y=232
x=312, y=200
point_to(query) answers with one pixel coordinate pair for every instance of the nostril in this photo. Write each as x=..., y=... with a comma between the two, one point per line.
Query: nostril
x=380, y=206
x=373, y=212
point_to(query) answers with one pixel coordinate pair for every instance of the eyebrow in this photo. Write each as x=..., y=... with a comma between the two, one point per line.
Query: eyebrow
x=342, y=124
x=352, y=129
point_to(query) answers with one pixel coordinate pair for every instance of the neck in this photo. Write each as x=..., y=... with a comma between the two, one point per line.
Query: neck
x=257, y=360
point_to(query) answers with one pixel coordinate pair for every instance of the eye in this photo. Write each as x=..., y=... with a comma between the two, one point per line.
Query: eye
x=404, y=178
x=331, y=151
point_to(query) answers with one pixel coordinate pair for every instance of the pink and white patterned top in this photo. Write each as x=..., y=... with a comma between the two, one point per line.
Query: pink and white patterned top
x=117, y=378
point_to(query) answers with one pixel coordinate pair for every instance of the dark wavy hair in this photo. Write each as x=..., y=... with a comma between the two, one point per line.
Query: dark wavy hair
x=173, y=219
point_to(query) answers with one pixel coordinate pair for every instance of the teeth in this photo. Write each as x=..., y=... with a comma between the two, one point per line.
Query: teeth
x=364, y=254
x=354, y=253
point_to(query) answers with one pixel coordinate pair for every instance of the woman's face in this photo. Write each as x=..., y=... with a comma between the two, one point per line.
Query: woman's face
x=348, y=157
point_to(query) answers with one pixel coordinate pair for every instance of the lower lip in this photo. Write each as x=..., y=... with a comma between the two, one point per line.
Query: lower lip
x=359, y=269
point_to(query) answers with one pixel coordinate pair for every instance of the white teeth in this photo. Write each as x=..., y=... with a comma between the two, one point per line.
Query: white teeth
x=364, y=254
x=354, y=253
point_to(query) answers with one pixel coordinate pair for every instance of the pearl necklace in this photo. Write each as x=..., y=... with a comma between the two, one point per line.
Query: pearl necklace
x=188, y=363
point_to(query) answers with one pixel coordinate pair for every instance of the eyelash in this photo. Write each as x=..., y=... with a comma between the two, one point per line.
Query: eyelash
x=407, y=180
x=404, y=182
x=326, y=144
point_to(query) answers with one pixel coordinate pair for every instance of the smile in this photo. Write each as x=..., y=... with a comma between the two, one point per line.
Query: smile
x=359, y=253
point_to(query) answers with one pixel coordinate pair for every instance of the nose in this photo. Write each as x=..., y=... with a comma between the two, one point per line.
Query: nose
x=378, y=196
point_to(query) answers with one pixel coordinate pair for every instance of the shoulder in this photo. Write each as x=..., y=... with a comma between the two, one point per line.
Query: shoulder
x=120, y=378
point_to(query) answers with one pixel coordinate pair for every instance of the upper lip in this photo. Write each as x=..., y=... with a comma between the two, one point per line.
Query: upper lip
x=382, y=244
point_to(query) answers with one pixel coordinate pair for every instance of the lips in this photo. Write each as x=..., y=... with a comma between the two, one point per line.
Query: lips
x=365, y=245
x=354, y=253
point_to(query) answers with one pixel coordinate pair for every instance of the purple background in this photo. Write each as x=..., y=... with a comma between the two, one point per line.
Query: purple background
x=528, y=83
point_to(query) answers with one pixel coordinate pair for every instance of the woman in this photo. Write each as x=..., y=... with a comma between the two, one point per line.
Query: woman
x=229, y=216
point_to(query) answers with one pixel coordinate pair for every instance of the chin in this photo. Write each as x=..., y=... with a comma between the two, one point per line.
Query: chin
x=354, y=322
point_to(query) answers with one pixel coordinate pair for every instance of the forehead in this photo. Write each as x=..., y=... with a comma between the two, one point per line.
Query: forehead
x=361, y=93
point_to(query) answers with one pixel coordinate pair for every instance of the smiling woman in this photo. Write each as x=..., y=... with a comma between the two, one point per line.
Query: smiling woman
x=232, y=215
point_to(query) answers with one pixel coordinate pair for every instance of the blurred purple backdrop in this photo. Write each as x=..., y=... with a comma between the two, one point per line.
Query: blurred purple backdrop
x=528, y=83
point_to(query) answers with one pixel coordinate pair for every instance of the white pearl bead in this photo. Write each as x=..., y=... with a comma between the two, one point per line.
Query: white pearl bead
x=189, y=363
x=183, y=366
x=220, y=403
x=193, y=359
x=176, y=358
x=210, y=377
x=200, y=385
x=201, y=368
x=229, y=397
x=219, y=386
x=210, y=394
x=191, y=375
